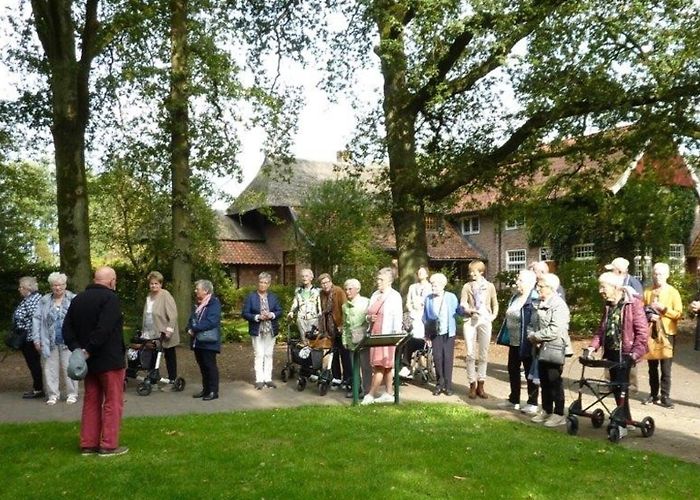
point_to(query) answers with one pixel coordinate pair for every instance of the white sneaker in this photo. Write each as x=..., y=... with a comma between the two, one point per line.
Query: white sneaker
x=404, y=372
x=529, y=409
x=367, y=400
x=540, y=417
x=385, y=398
x=507, y=405
x=71, y=399
x=554, y=420
x=336, y=381
x=52, y=400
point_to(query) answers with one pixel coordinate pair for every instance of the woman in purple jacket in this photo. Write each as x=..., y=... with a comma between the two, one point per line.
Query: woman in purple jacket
x=623, y=330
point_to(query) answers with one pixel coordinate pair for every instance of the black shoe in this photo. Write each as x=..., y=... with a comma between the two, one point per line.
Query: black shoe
x=271, y=385
x=33, y=395
x=449, y=392
x=666, y=403
x=651, y=400
x=210, y=396
x=113, y=452
x=259, y=385
x=200, y=394
x=437, y=391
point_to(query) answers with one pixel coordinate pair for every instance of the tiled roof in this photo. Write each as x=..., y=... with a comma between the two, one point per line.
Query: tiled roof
x=672, y=172
x=447, y=244
x=246, y=252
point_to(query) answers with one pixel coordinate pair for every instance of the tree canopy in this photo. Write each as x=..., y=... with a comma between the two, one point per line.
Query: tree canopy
x=472, y=89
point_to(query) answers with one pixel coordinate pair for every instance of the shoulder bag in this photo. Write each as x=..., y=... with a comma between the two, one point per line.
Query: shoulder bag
x=659, y=344
x=553, y=353
x=205, y=336
x=432, y=326
x=15, y=339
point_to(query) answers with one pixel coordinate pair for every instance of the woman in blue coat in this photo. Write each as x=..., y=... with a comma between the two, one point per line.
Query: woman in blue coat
x=440, y=328
x=204, y=327
x=262, y=309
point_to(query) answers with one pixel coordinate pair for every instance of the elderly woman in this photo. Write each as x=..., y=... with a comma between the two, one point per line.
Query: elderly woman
x=665, y=302
x=441, y=327
x=306, y=304
x=549, y=333
x=204, y=328
x=160, y=319
x=384, y=314
x=415, y=304
x=355, y=328
x=514, y=328
x=479, y=304
x=47, y=335
x=623, y=330
x=22, y=323
x=262, y=309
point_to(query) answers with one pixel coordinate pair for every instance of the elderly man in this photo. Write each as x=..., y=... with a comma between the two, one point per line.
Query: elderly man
x=354, y=328
x=93, y=323
x=621, y=266
x=540, y=268
x=331, y=324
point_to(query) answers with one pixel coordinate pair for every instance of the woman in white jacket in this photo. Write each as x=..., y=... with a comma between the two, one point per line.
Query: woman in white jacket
x=47, y=335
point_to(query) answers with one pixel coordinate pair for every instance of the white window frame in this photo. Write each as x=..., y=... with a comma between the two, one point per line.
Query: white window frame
x=583, y=251
x=512, y=224
x=514, y=263
x=470, y=221
x=676, y=257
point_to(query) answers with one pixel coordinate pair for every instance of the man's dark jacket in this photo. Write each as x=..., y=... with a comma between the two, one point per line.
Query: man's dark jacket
x=94, y=323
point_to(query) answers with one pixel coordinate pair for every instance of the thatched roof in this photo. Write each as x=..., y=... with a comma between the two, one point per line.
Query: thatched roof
x=287, y=185
x=230, y=228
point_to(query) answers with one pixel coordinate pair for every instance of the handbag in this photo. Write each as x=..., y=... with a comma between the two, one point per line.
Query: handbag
x=211, y=335
x=552, y=353
x=658, y=343
x=358, y=334
x=503, y=336
x=432, y=327
x=15, y=339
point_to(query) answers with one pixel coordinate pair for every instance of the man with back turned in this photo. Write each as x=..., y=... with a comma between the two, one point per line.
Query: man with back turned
x=94, y=323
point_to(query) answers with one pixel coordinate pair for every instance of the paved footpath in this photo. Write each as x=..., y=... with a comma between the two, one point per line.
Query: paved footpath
x=677, y=431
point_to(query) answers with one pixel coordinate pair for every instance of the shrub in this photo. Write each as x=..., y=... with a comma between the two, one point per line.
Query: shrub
x=580, y=282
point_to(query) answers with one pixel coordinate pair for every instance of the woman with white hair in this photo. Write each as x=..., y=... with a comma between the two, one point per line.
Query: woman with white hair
x=306, y=304
x=622, y=332
x=549, y=333
x=665, y=302
x=354, y=330
x=385, y=315
x=440, y=322
x=22, y=323
x=47, y=335
x=513, y=333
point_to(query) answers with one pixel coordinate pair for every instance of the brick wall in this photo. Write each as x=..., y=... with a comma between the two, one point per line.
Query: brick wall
x=495, y=245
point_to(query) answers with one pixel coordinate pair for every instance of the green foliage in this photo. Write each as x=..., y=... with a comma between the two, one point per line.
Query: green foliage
x=268, y=447
x=28, y=232
x=645, y=217
x=580, y=281
x=338, y=226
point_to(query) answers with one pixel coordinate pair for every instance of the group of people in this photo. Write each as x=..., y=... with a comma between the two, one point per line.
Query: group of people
x=535, y=330
x=536, y=324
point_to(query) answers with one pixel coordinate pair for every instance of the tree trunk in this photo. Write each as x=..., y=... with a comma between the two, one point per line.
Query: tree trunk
x=180, y=160
x=70, y=104
x=408, y=212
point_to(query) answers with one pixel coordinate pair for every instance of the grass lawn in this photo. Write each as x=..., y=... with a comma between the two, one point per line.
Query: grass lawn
x=411, y=451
